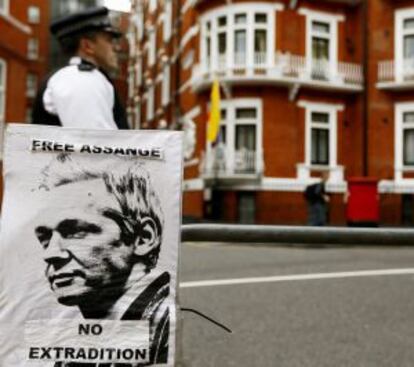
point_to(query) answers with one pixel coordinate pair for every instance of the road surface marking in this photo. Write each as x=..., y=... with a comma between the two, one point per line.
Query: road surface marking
x=286, y=278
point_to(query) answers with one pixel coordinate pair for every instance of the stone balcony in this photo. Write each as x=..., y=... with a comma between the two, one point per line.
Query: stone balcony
x=281, y=69
x=393, y=75
x=232, y=165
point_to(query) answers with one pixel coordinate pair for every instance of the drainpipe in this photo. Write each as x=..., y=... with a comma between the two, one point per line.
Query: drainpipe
x=177, y=28
x=365, y=107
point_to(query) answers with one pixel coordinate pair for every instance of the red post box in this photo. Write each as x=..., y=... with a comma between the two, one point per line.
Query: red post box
x=362, y=207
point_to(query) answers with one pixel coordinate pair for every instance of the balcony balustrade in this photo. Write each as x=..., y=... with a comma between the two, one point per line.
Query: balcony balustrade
x=392, y=75
x=293, y=3
x=283, y=69
x=220, y=163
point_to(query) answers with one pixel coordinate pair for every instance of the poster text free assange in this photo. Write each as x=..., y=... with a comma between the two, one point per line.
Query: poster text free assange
x=58, y=147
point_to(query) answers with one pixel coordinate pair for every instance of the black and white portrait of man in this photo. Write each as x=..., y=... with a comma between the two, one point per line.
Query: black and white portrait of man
x=101, y=235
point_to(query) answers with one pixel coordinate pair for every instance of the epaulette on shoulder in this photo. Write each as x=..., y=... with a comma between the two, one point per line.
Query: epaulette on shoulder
x=86, y=66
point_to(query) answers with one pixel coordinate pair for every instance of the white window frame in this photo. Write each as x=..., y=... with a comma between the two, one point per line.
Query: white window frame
x=5, y=9
x=167, y=26
x=229, y=11
x=222, y=30
x=327, y=126
x=152, y=5
x=33, y=14
x=399, y=168
x=400, y=64
x=165, y=94
x=150, y=102
x=331, y=19
x=132, y=44
x=139, y=24
x=231, y=122
x=332, y=110
x=33, y=48
x=152, y=47
x=131, y=81
x=188, y=59
x=206, y=33
x=32, y=83
x=138, y=72
x=269, y=48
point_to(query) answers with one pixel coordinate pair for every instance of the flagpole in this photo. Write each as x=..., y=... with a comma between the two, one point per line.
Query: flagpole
x=213, y=130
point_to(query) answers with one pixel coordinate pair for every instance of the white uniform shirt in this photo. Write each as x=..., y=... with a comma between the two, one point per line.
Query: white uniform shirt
x=81, y=99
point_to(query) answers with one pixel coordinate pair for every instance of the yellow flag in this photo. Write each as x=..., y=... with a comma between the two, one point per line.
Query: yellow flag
x=214, y=119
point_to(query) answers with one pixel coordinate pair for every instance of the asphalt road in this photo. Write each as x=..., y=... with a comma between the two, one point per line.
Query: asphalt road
x=298, y=306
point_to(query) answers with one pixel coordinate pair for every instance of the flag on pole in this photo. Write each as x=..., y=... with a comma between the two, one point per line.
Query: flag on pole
x=214, y=119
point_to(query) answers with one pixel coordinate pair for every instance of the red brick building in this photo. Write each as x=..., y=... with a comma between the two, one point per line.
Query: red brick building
x=307, y=87
x=23, y=50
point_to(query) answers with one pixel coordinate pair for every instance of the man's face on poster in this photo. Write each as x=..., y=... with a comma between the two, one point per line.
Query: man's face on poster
x=83, y=251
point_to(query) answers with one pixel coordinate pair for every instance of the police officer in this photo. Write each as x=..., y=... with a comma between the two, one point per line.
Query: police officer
x=81, y=94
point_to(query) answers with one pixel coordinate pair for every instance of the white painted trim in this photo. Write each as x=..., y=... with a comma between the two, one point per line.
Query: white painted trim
x=152, y=45
x=285, y=185
x=399, y=17
x=131, y=83
x=230, y=105
x=160, y=19
x=152, y=5
x=187, y=5
x=168, y=15
x=166, y=86
x=33, y=14
x=16, y=23
x=298, y=185
x=191, y=32
x=185, y=85
x=193, y=113
x=259, y=7
x=159, y=78
x=190, y=3
x=396, y=187
x=5, y=10
x=33, y=47
x=139, y=24
x=195, y=184
x=138, y=72
x=332, y=111
x=399, y=168
x=188, y=59
x=191, y=162
x=229, y=11
x=318, y=105
x=321, y=14
x=332, y=20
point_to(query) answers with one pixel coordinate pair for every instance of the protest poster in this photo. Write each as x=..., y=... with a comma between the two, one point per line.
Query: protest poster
x=89, y=247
